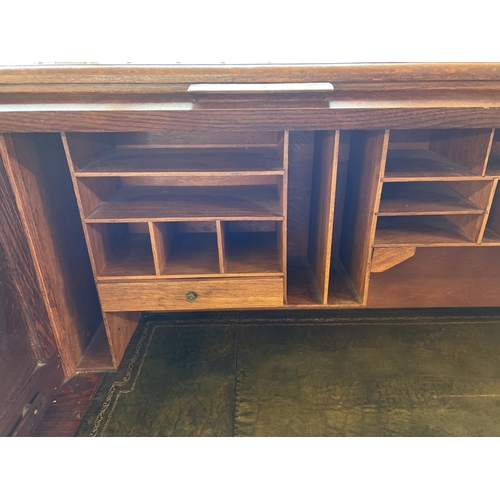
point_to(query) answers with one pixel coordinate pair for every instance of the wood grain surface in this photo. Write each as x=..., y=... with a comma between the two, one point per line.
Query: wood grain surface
x=326, y=156
x=157, y=118
x=364, y=187
x=171, y=295
x=39, y=177
x=386, y=257
x=68, y=406
x=153, y=203
x=424, y=280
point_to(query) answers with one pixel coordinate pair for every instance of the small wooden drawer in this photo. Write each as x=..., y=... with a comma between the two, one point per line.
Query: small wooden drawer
x=191, y=294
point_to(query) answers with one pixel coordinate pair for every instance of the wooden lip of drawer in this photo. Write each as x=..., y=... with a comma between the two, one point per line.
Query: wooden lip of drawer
x=171, y=295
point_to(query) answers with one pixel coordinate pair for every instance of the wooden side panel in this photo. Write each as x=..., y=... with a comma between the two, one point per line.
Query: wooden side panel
x=470, y=225
x=91, y=192
x=364, y=187
x=22, y=270
x=479, y=192
x=300, y=168
x=410, y=139
x=469, y=148
x=26, y=338
x=103, y=241
x=120, y=327
x=340, y=190
x=322, y=204
x=40, y=181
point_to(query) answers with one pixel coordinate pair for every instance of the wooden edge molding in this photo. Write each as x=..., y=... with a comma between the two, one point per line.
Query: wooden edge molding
x=146, y=74
x=385, y=258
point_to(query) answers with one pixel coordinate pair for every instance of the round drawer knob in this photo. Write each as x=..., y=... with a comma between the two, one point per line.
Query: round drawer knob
x=191, y=296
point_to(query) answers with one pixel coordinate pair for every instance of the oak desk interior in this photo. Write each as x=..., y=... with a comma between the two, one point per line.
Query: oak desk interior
x=150, y=189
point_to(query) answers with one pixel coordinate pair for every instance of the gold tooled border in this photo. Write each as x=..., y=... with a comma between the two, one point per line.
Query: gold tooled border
x=421, y=320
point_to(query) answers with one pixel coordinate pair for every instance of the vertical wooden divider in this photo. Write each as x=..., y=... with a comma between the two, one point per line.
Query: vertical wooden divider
x=162, y=235
x=492, y=214
x=363, y=191
x=283, y=148
x=221, y=245
x=326, y=152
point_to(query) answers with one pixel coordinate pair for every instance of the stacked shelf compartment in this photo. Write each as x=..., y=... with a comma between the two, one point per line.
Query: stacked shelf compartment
x=159, y=207
x=319, y=279
x=411, y=189
x=434, y=189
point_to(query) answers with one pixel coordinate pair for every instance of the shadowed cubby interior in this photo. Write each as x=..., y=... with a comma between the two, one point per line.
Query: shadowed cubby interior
x=439, y=154
x=252, y=248
x=121, y=250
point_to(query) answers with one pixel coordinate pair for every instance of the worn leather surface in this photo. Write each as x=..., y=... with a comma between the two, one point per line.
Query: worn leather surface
x=311, y=374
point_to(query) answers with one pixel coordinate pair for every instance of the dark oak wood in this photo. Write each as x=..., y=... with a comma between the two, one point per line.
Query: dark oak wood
x=68, y=406
x=39, y=178
x=30, y=370
x=158, y=118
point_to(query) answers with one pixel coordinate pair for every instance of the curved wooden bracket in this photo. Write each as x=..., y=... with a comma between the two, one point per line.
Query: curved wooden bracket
x=385, y=258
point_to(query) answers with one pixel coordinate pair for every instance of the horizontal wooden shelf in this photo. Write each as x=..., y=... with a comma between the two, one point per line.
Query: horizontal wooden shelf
x=195, y=162
x=153, y=203
x=132, y=259
x=423, y=165
x=252, y=254
x=419, y=231
x=424, y=199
